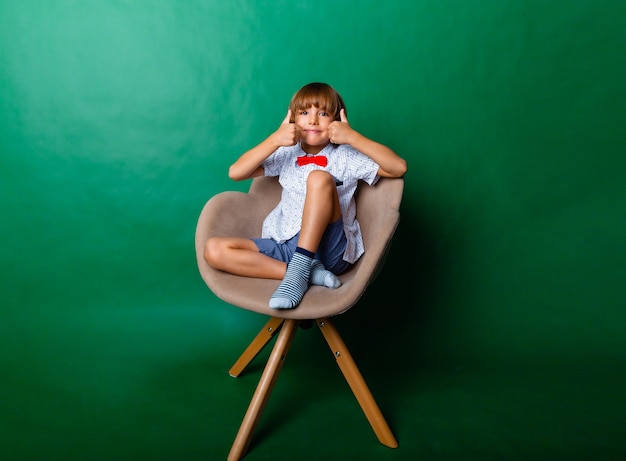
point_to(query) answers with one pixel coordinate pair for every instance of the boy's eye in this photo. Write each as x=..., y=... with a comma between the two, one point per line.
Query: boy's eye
x=303, y=112
x=324, y=114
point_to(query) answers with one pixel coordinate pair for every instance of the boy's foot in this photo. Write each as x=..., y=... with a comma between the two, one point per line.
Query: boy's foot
x=322, y=277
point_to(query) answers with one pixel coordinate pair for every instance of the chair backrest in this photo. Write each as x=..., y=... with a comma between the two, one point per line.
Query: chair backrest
x=241, y=214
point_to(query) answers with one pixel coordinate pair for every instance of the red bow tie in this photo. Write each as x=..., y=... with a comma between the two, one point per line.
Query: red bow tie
x=317, y=159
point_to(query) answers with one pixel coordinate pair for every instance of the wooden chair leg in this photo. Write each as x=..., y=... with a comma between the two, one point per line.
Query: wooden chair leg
x=256, y=346
x=263, y=390
x=356, y=382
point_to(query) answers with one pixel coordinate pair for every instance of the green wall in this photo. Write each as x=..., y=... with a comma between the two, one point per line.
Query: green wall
x=496, y=330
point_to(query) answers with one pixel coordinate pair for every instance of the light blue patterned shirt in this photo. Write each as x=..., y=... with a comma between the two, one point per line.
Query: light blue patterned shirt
x=346, y=164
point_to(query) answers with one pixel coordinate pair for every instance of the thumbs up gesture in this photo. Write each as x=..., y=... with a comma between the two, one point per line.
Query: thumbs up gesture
x=287, y=133
x=340, y=131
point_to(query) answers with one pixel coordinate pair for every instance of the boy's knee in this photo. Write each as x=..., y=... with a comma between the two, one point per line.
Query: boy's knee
x=211, y=251
x=320, y=178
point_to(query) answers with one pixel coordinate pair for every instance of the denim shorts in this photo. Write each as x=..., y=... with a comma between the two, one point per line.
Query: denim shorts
x=329, y=253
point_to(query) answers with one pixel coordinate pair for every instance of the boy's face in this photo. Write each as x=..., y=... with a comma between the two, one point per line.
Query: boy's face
x=313, y=125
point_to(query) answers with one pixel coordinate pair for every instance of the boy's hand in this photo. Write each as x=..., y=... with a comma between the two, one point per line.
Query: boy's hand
x=340, y=131
x=287, y=133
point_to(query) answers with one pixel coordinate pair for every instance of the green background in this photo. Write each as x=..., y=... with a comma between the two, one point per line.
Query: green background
x=496, y=331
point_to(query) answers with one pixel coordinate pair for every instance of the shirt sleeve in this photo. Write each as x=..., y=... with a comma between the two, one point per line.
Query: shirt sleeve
x=360, y=166
x=273, y=164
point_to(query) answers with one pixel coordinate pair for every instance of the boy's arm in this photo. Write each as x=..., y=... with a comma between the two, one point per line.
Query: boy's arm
x=390, y=164
x=249, y=164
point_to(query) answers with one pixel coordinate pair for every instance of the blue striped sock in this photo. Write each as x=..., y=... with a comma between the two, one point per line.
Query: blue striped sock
x=295, y=284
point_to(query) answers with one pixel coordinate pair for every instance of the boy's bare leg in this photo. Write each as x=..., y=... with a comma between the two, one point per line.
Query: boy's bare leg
x=321, y=207
x=240, y=256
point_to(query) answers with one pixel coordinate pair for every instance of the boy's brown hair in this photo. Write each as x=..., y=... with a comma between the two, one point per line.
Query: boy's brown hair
x=320, y=95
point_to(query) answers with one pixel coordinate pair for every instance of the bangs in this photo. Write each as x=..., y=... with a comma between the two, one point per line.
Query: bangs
x=319, y=95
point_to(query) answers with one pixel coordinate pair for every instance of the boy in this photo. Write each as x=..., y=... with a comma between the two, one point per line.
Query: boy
x=312, y=235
